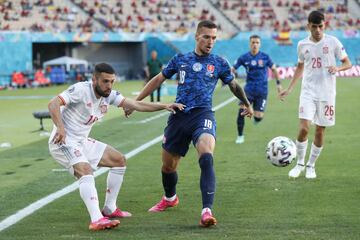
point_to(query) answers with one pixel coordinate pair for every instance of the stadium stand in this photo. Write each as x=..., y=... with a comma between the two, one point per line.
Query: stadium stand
x=109, y=15
x=284, y=15
x=144, y=16
x=164, y=25
x=45, y=15
x=168, y=15
x=153, y=16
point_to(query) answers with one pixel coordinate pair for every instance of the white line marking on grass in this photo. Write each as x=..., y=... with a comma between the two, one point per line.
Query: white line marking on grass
x=223, y=104
x=59, y=170
x=19, y=215
x=154, y=117
x=146, y=120
x=11, y=220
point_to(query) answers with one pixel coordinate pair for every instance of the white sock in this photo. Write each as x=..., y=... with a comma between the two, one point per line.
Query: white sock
x=89, y=195
x=314, y=154
x=114, y=181
x=301, y=151
x=170, y=199
x=205, y=210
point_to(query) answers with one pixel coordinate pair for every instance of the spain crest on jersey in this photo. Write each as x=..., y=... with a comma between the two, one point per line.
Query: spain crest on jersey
x=77, y=153
x=325, y=50
x=103, y=109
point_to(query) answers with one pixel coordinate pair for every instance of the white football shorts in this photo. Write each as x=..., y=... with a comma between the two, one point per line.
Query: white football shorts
x=321, y=113
x=67, y=155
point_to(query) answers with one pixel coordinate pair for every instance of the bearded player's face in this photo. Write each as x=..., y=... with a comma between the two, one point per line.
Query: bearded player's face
x=103, y=84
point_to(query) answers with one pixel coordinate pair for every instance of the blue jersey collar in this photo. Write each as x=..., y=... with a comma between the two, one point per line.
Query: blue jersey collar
x=200, y=56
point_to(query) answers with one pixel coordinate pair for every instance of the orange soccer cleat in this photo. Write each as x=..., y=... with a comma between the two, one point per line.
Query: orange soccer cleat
x=164, y=204
x=103, y=223
x=207, y=219
x=116, y=214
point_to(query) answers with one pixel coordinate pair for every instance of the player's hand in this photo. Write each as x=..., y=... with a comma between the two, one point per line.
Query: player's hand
x=128, y=112
x=332, y=69
x=247, y=111
x=174, y=106
x=59, y=137
x=283, y=94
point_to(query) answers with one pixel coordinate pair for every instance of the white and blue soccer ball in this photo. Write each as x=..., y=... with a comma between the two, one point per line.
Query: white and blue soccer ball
x=281, y=151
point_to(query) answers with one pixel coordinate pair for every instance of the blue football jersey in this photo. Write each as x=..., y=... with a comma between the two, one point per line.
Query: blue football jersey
x=256, y=71
x=198, y=76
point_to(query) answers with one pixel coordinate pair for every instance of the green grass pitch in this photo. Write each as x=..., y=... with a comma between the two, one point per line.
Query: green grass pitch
x=247, y=206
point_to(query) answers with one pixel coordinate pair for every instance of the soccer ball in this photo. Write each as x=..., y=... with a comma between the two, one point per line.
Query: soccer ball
x=281, y=151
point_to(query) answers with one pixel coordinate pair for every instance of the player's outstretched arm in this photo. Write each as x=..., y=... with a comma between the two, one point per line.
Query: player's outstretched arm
x=277, y=78
x=233, y=70
x=346, y=64
x=238, y=91
x=153, y=84
x=132, y=105
x=54, y=110
x=297, y=75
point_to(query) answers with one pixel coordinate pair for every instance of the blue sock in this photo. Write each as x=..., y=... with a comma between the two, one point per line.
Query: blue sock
x=240, y=122
x=207, y=179
x=169, y=181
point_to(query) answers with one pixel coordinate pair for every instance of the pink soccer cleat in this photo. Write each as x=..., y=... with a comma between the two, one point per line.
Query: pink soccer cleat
x=207, y=219
x=103, y=223
x=164, y=204
x=116, y=214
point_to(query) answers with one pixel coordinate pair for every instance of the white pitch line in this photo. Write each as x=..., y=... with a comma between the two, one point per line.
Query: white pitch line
x=154, y=117
x=223, y=104
x=11, y=220
x=146, y=120
x=21, y=214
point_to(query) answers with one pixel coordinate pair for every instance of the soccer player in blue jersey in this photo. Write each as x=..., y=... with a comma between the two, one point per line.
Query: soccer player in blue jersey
x=256, y=64
x=198, y=72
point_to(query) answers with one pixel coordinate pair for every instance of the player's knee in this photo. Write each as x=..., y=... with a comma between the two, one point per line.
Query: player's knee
x=168, y=168
x=82, y=169
x=304, y=130
x=206, y=160
x=121, y=160
x=319, y=132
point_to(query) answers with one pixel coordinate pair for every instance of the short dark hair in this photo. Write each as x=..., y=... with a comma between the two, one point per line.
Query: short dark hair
x=254, y=36
x=316, y=17
x=103, y=68
x=206, y=24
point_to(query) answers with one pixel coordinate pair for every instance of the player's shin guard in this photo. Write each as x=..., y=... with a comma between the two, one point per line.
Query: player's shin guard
x=169, y=181
x=89, y=195
x=207, y=179
x=314, y=154
x=114, y=182
x=240, y=122
x=301, y=152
